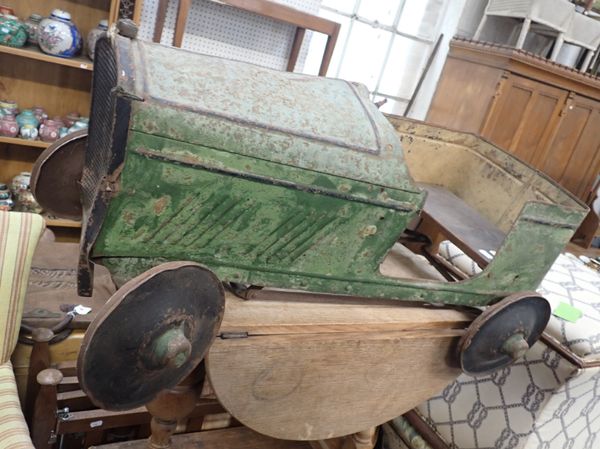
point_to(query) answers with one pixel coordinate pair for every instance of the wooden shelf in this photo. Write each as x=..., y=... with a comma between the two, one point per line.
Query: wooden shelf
x=23, y=142
x=62, y=223
x=33, y=52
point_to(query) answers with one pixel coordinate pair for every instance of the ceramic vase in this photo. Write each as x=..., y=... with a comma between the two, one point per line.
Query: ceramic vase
x=31, y=25
x=82, y=123
x=28, y=132
x=58, y=35
x=6, y=201
x=23, y=198
x=12, y=31
x=25, y=202
x=71, y=118
x=94, y=35
x=28, y=125
x=27, y=117
x=6, y=11
x=9, y=126
x=21, y=181
x=40, y=113
x=8, y=107
x=50, y=131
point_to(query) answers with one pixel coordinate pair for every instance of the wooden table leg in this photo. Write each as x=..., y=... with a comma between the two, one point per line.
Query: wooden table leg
x=171, y=406
x=328, y=54
x=296, y=45
x=182, y=15
x=159, y=23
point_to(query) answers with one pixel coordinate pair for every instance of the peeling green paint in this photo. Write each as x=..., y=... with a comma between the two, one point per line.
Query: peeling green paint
x=265, y=192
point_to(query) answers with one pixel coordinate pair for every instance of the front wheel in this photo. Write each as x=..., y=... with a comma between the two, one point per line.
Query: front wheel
x=150, y=335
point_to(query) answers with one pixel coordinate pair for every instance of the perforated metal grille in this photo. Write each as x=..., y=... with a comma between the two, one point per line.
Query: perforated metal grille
x=98, y=154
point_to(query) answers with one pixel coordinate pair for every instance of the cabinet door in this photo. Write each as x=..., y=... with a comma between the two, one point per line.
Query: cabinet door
x=573, y=156
x=523, y=116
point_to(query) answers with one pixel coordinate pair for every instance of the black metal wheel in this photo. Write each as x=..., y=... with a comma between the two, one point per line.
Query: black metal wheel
x=150, y=335
x=503, y=333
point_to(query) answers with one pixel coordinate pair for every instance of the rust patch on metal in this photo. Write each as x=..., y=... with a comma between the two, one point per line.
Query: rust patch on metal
x=161, y=204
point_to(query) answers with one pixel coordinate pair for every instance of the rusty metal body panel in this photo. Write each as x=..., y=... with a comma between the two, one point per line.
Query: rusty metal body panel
x=268, y=178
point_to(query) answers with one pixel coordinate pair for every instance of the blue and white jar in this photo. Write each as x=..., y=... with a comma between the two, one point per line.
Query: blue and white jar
x=58, y=35
x=94, y=35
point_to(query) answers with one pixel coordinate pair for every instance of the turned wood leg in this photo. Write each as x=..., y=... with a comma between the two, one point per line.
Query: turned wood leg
x=44, y=413
x=171, y=406
x=39, y=360
x=365, y=439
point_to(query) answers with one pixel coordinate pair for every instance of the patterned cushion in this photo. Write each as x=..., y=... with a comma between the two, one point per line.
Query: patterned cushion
x=19, y=234
x=571, y=282
x=542, y=401
x=14, y=433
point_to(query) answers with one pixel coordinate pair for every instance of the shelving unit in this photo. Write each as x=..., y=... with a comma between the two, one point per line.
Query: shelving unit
x=59, y=85
x=23, y=142
x=33, y=52
x=62, y=223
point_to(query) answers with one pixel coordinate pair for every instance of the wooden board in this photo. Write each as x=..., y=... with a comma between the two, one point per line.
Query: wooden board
x=460, y=222
x=272, y=311
x=235, y=438
x=312, y=369
x=34, y=52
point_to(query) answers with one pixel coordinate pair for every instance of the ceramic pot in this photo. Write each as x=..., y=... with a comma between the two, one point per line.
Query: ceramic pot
x=31, y=25
x=71, y=118
x=82, y=123
x=63, y=131
x=27, y=117
x=4, y=192
x=25, y=202
x=6, y=201
x=9, y=126
x=40, y=113
x=58, y=120
x=28, y=132
x=21, y=181
x=50, y=131
x=58, y=36
x=94, y=35
x=12, y=31
x=6, y=11
x=8, y=107
x=7, y=204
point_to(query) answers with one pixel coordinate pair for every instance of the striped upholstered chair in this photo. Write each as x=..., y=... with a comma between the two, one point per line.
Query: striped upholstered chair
x=19, y=234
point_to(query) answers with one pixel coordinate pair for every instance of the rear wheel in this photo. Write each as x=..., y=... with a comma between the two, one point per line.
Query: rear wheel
x=503, y=333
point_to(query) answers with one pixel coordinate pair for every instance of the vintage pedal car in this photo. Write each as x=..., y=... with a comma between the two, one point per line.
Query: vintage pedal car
x=282, y=181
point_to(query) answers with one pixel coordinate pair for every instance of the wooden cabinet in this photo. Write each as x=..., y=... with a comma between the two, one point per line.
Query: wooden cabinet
x=59, y=85
x=545, y=114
